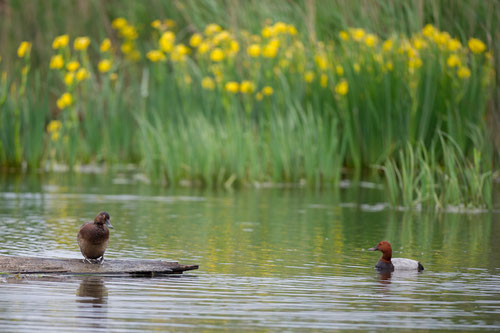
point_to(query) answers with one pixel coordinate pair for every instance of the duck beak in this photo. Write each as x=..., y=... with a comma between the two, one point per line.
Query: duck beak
x=373, y=248
x=108, y=224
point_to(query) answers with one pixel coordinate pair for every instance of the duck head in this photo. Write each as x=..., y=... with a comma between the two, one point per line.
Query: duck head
x=103, y=218
x=385, y=248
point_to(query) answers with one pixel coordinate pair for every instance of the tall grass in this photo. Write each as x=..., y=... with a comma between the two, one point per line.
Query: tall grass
x=320, y=94
x=416, y=178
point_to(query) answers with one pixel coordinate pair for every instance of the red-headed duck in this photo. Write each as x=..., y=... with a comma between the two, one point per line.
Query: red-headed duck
x=93, y=238
x=388, y=263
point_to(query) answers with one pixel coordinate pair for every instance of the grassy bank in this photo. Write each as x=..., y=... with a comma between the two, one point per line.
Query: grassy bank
x=283, y=92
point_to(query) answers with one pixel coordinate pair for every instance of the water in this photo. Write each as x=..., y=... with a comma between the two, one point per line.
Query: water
x=270, y=260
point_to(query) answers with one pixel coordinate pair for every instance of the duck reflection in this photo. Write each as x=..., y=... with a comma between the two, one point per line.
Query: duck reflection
x=92, y=299
x=385, y=277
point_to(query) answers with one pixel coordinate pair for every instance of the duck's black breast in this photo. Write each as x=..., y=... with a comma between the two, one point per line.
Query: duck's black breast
x=93, y=240
x=384, y=266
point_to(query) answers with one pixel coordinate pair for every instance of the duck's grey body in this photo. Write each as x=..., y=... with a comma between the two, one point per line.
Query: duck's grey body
x=406, y=264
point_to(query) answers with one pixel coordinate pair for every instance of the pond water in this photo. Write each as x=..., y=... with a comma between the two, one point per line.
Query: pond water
x=285, y=259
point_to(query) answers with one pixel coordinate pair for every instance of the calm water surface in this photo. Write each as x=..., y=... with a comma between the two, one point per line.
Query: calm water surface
x=270, y=260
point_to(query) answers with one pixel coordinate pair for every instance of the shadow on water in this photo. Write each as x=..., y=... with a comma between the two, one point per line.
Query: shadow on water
x=92, y=302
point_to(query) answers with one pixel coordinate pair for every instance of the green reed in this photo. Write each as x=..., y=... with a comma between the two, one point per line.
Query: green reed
x=404, y=107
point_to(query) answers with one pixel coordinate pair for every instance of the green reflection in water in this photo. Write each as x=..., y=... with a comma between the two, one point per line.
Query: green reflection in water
x=262, y=232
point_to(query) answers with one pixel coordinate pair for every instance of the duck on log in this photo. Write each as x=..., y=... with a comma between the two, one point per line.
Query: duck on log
x=128, y=267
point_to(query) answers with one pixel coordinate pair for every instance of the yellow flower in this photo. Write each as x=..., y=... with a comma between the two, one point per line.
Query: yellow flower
x=203, y=48
x=81, y=43
x=64, y=101
x=292, y=30
x=57, y=62
x=208, y=83
x=232, y=87
x=217, y=55
x=221, y=36
x=267, y=32
x=104, y=65
x=370, y=40
x=309, y=76
x=69, y=78
x=357, y=34
x=247, y=87
x=167, y=41
x=253, y=50
x=54, y=126
x=72, y=66
x=270, y=51
x=321, y=61
x=195, y=40
x=212, y=29
x=179, y=53
x=156, y=24
x=275, y=42
x=342, y=88
x=119, y=23
x=454, y=45
x=429, y=30
x=234, y=47
x=414, y=63
x=155, y=55
x=344, y=35
x=453, y=61
x=113, y=76
x=387, y=45
x=134, y=56
x=259, y=96
x=323, y=80
x=127, y=47
x=24, y=49
x=357, y=67
x=55, y=136
x=105, y=45
x=129, y=32
x=340, y=70
x=267, y=90
x=442, y=38
x=463, y=72
x=170, y=23
x=60, y=42
x=419, y=43
x=389, y=66
x=280, y=28
x=476, y=45
x=82, y=74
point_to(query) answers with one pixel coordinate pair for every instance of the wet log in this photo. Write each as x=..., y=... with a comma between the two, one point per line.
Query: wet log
x=127, y=267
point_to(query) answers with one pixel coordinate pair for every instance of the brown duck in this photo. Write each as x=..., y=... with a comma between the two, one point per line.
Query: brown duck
x=93, y=238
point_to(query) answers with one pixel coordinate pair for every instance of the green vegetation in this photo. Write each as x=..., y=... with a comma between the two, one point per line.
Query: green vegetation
x=223, y=93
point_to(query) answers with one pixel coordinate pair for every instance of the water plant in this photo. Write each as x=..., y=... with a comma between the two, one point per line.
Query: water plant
x=220, y=105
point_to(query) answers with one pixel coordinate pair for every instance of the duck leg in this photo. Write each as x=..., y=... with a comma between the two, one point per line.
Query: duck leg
x=99, y=260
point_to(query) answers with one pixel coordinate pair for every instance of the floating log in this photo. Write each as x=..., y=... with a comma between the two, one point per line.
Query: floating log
x=130, y=267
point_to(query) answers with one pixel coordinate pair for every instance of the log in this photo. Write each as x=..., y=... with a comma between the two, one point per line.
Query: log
x=129, y=267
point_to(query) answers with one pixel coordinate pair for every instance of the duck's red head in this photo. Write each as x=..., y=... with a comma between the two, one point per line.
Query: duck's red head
x=385, y=248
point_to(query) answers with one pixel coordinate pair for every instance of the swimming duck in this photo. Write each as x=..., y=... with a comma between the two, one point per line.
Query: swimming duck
x=93, y=238
x=387, y=263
